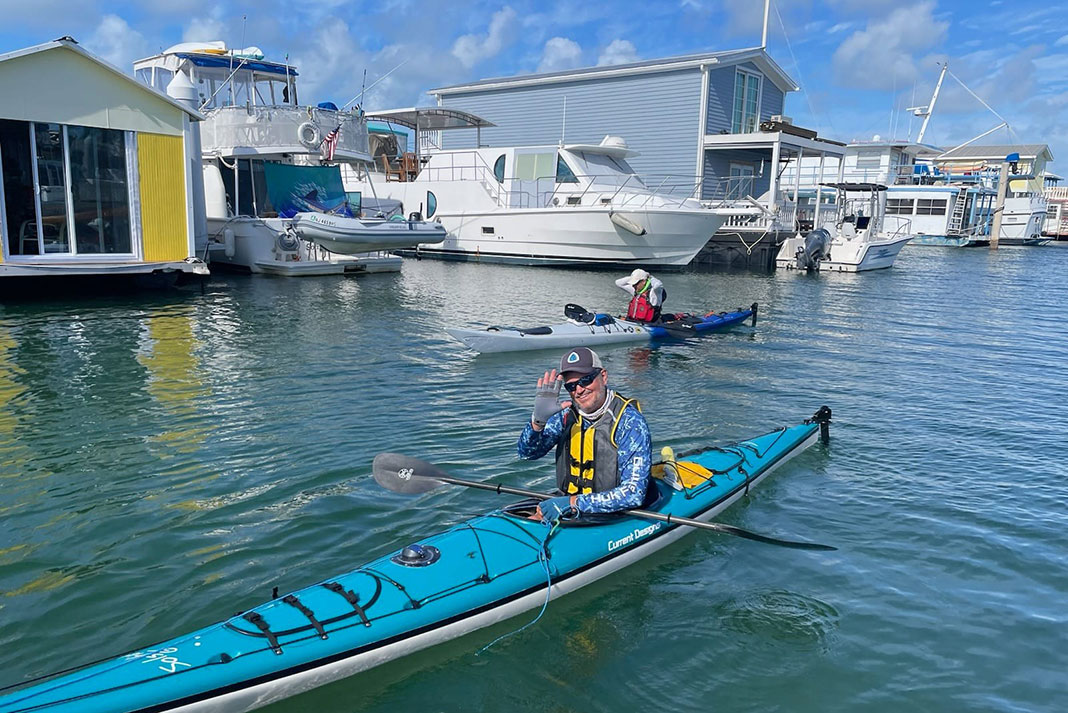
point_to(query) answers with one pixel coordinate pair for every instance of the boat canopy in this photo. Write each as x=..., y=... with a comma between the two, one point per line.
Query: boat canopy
x=432, y=118
x=847, y=186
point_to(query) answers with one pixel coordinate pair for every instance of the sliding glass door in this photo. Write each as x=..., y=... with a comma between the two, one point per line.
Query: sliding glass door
x=66, y=190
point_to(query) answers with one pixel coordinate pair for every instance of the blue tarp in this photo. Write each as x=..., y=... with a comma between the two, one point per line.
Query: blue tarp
x=210, y=60
x=297, y=189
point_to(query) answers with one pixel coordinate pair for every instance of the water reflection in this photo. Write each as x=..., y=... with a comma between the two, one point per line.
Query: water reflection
x=168, y=352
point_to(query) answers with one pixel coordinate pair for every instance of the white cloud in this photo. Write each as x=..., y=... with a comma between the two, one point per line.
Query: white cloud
x=559, y=54
x=204, y=29
x=1062, y=41
x=618, y=52
x=472, y=49
x=118, y=43
x=888, y=44
x=840, y=27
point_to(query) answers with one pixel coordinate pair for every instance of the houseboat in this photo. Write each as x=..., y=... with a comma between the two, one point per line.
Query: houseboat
x=94, y=181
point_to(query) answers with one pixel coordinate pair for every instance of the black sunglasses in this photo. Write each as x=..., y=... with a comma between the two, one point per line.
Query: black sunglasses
x=583, y=381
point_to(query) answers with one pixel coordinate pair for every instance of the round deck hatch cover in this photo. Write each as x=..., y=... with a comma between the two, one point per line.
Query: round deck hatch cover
x=417, y=556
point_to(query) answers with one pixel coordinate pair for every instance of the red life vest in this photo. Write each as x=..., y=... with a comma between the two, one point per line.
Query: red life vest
x=640, y=309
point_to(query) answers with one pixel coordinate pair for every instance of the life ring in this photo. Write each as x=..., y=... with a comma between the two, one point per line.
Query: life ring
x=308, y=134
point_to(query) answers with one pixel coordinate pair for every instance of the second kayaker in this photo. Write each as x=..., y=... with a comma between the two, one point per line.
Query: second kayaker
x=603, y=447
x=647, y=295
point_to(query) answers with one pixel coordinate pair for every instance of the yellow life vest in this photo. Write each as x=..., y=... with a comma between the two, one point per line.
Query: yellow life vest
x=587, y=455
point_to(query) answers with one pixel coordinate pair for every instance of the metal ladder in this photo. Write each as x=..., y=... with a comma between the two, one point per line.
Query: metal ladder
x=956, y=218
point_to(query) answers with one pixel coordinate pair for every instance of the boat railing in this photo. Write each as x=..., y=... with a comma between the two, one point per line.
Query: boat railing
x=283, y=129
x=613, y=190
x=902, y=226
x=464, y=166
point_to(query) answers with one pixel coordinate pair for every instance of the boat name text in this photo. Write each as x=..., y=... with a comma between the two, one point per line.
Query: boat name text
x=638, y=533
x=168, y=663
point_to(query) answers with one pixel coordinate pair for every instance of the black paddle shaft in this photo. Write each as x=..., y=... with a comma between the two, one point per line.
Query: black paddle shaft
x=405, y=474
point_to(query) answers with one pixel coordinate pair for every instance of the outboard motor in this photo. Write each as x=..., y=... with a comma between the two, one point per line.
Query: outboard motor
x=816, y=249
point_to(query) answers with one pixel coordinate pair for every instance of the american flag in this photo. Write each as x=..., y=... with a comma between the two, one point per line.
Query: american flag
x=330, y=143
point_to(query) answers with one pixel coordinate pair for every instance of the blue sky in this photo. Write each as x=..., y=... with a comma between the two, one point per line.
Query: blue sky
x=859, y=62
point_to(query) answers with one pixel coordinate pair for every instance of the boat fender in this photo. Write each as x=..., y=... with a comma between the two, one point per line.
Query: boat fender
x=229, y=242
x=626, y=223
x=308, y=135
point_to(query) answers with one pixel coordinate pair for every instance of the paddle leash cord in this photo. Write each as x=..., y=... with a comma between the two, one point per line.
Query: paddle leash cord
x=543, y=557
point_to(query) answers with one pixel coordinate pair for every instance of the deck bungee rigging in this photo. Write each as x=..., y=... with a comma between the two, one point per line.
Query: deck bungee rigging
x=484, y=570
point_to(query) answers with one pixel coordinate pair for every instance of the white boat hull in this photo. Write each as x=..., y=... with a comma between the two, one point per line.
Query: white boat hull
x=354, y=236
x=576, y=236
x=854, y=255
x=563, y=336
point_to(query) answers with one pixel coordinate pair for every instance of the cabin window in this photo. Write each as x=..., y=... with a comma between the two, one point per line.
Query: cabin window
x=746, y=102
x=931, y=206
x=869, y=158
x=498, y=169
x=431, y=204
x=162, y=78
x=532, y=166
x=899, y=206
x=564, y=174
x=20, y=213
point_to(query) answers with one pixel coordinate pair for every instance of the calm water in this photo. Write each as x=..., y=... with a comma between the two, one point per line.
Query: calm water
x=166, y=460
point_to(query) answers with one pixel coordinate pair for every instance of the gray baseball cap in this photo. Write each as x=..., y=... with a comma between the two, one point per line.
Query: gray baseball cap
x=580, y=360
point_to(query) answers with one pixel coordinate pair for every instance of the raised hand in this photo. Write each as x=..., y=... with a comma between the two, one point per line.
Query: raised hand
x=546, y=399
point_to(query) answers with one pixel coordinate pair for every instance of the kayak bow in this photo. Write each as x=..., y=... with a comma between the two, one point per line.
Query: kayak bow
x=480, y=572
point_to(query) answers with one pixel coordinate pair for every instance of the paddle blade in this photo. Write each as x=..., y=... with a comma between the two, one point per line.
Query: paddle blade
x=404, y=474
x=756, y=537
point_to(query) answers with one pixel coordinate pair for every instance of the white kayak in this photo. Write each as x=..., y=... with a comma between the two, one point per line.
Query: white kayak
x=586, y=329
x=352, y=236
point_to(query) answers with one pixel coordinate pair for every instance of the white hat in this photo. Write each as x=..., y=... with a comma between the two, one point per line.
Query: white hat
x=637, y=276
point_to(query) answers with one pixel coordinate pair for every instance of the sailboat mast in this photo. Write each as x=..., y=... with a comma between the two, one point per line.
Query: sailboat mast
x=931, y=106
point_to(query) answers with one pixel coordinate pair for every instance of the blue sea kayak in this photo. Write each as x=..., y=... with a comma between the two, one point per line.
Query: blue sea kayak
x=475, y=574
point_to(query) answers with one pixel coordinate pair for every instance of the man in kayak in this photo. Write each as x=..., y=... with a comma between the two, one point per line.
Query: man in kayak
x=647, y=295
x=603, y=448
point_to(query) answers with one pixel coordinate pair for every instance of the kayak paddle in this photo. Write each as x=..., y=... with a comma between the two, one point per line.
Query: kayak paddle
x=411, y=476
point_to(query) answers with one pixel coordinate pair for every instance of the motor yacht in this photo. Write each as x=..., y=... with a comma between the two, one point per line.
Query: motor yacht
x=274, y=197
x=572, y=204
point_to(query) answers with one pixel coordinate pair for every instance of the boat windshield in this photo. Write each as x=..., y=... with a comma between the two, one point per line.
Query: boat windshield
x=604, y=170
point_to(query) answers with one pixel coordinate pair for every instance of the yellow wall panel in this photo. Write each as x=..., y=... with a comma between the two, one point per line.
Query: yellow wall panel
x=161, y=165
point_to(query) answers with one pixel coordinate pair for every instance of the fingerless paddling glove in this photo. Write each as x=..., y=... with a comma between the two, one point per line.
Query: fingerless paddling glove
x=546, y=402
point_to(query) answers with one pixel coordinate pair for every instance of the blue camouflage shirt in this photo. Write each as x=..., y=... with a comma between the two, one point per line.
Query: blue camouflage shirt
x=634, y=459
